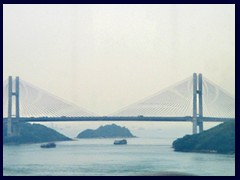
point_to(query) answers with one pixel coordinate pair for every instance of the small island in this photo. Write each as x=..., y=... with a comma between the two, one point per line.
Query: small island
x=219, y=139
x=108, y=131
x=32, y=133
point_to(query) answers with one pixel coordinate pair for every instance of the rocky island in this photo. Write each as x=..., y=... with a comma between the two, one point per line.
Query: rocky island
x=219, y=139
x=108, y=131
x=32, y=133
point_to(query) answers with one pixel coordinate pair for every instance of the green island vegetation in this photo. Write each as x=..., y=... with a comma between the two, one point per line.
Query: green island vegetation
x=32, y=133
x=219, y=139
x=107, y=131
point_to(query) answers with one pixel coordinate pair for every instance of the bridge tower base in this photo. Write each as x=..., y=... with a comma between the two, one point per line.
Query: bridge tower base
x=194, y=121
x=200, y=105
x=12, y=123
x=197, y=95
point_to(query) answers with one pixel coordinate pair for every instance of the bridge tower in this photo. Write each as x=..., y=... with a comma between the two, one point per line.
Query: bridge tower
x=197, y=95
x=12, y=121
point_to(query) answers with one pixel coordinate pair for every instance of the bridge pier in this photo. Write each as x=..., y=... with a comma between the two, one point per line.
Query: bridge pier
x=12, y=128
x=194, y=121
x=197, y=115
x=200, y=106
x=9, y=122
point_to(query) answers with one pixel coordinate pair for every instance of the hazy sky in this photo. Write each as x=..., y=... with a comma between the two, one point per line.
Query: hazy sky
x=104, y=57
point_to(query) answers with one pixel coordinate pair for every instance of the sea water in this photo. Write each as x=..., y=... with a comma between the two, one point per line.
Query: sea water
x=150, y=153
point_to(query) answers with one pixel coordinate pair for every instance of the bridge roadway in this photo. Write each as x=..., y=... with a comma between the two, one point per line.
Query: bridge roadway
x=119, y=118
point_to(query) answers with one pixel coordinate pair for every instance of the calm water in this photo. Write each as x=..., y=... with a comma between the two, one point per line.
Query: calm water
x=142, y=156
x=99, y=157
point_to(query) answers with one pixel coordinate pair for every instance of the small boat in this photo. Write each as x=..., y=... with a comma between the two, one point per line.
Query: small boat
x=48, y=145
x=120, y=142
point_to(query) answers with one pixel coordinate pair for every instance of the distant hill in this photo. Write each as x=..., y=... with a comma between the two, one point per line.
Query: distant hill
x=108, y=131
x=32, y=133
x=219, y=139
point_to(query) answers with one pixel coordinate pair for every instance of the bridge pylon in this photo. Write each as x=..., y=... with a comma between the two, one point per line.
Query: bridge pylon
x=12, y=129
x=197, y=108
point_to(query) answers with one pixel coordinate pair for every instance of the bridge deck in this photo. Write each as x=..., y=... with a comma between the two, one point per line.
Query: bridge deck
x=119, y=118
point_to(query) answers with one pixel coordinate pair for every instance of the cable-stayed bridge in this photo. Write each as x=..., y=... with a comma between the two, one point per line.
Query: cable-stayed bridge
x=195, y=99
x=35, y=102
x=177, y=100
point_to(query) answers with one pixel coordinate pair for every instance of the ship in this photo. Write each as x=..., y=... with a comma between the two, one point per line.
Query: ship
x=120, y=142
x=48, y=145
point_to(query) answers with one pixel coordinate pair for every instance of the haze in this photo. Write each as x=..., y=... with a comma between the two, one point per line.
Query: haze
x=105, y=57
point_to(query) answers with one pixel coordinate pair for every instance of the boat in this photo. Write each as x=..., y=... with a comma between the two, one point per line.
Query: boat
x=120, y=142
x=48, y=145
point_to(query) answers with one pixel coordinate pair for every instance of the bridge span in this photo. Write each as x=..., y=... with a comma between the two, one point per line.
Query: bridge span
x=194, y=99
x=119, y=118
